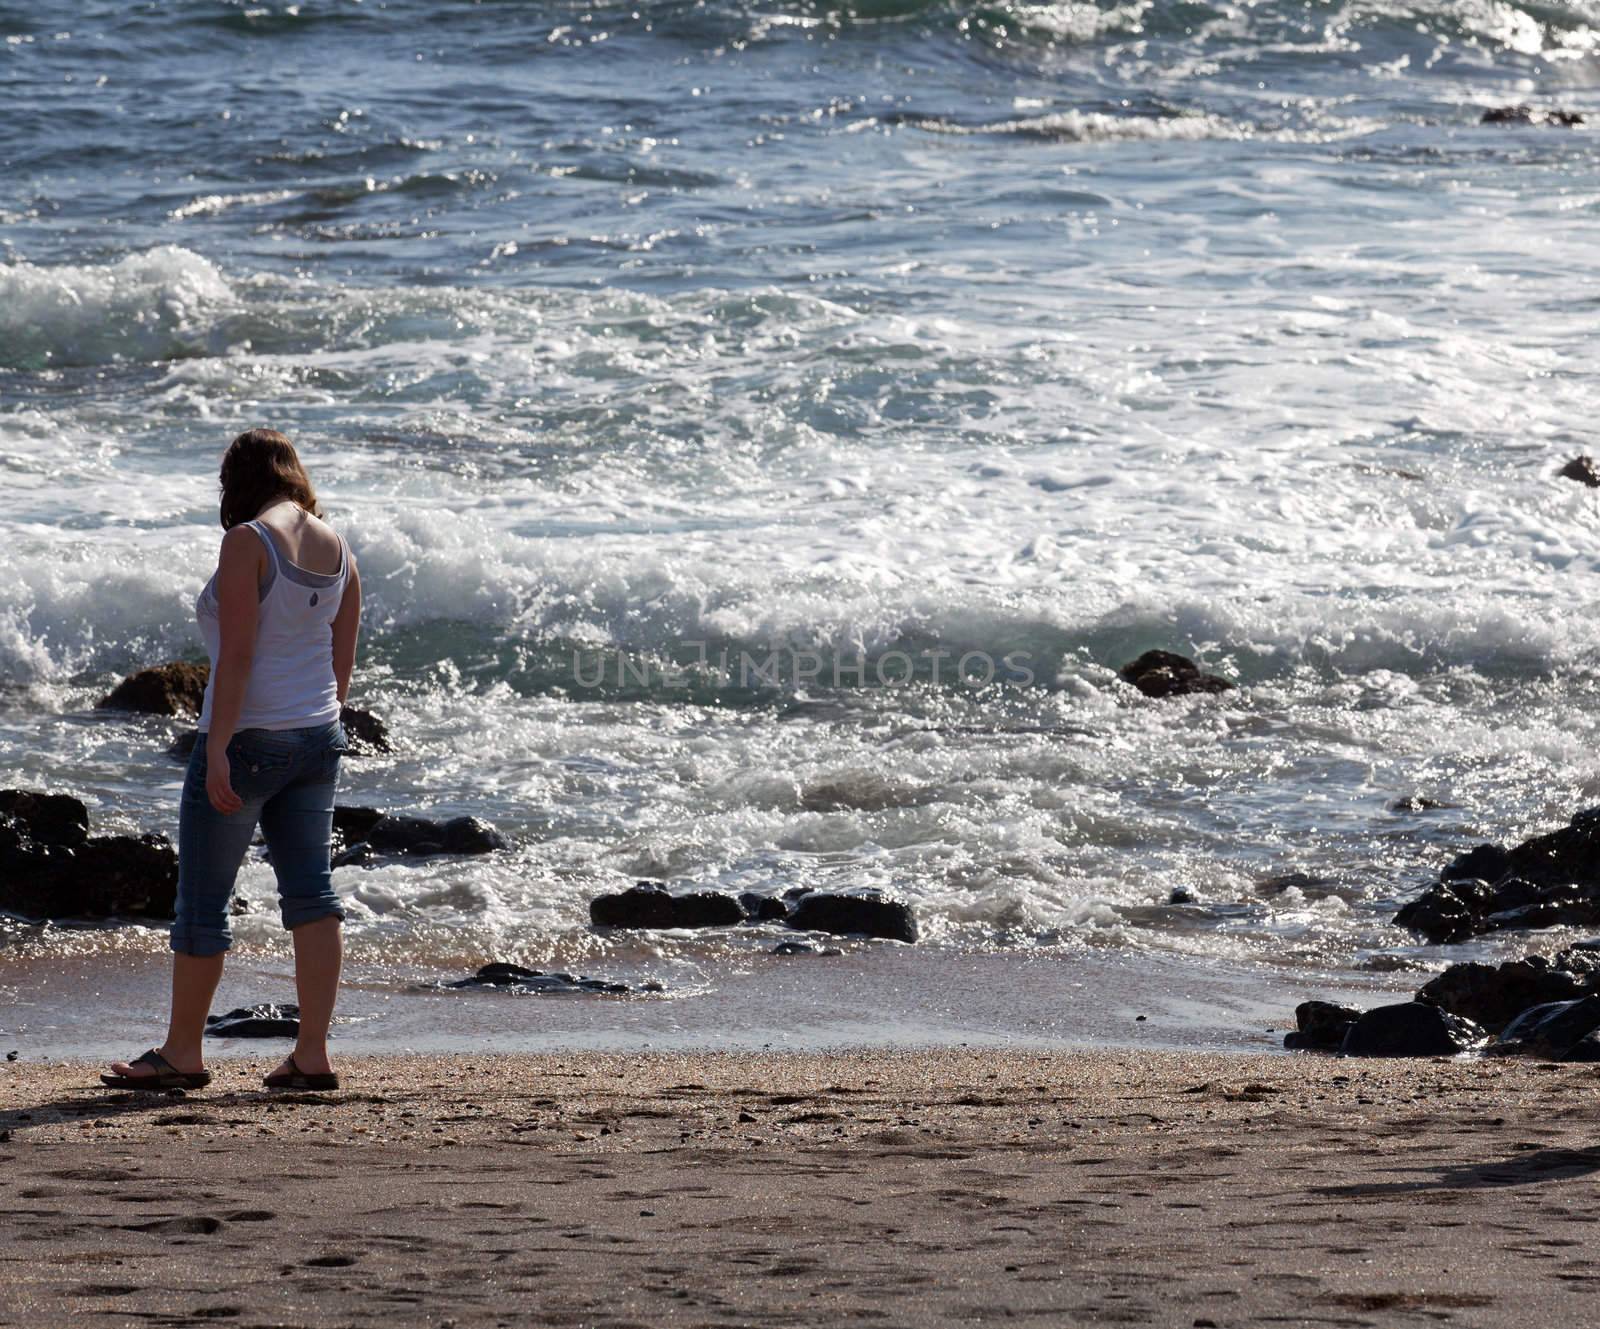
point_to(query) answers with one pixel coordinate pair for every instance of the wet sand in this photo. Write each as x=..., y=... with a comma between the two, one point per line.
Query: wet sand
x=746, y=1189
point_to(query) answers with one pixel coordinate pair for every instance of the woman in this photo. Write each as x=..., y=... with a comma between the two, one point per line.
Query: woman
x=279, y=617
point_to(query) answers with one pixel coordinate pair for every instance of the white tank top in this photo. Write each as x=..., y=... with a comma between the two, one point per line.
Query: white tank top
x=291, y=678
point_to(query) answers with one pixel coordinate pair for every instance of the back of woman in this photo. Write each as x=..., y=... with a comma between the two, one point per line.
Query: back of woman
x=280, y=618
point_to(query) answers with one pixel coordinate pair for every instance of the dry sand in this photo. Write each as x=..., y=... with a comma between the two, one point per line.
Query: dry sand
x=741, y=1189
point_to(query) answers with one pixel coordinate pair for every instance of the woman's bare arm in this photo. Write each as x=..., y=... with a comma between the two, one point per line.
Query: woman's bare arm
x=239, y=570
x=346, y=628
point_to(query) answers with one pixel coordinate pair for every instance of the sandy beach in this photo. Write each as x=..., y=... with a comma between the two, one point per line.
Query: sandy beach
x=742, y=1189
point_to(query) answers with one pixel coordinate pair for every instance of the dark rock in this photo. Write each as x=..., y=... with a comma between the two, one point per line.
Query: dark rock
x=760, y=908
x=176, y=688
x=1586, y=1048
x=1551, y=1030
x=1164, y=674
x=1182, y=895
x=267, y=1020
x=1411, y=1029
x=1582, y=470
x=1417, y=803
x=53, y=819
x=352, y=825
x=105, y=876
x=1494, y=995
x=803, y=948
x=418, y=836
x=356, y=856
x=1321, y=1025
x=514, y=978
x=1485, y=862
x=651, y=905
x=868, y=914
x=471, y=835
x=364, y=732
x=1530, y=115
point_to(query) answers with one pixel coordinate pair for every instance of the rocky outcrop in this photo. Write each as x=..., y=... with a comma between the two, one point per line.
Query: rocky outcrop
x=1164, y=674
x=176, y=688
x=361, y=835
x=1547, y=881
x=1320, y=1026
x=1494, y=995
x=1411, y=1029
x=649, y=904
x=865, y=913
x=1530, y=115
x=760, y=908
x=514, y=978
x=51, y=867
x=267, y=1020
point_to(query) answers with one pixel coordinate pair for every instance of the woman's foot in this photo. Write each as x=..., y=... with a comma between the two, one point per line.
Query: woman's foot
x=153, y=1071
x=189, y=1063
x=305, y=1061
x=312, y=1073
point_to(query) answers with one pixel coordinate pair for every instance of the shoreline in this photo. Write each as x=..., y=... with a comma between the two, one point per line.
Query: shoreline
x=904, y=1188
x=867, y=997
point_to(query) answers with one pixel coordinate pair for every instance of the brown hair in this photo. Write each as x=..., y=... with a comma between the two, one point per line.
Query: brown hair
x=259, y=466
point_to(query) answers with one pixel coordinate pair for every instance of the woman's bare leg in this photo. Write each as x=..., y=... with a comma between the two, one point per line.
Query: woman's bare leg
x=194, y=984
x=318, y=955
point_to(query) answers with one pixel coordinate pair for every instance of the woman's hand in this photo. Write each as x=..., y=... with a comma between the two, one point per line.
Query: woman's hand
x=219, y=783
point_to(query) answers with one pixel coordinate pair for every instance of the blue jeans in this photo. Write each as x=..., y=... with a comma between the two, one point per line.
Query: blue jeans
x=286, y=779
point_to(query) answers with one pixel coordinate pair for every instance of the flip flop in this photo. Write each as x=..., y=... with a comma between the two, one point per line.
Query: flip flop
x=295, y=1078
x=165, y=1076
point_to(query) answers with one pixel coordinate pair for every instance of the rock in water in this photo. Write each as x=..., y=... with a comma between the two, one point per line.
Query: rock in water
x=760, y=908
x=1411, y=1029
x=650, y=905
x=1165, y=674
x=514, y=978
x=46, y=819
x=471, y=835
x=1320, y=1025
x=268, y=1020
x=1494, y=995
x=351, y=825
x=1551, y=1031
x=106, y=876
x=1582, y=470
x=364, y=731
x=176, y=688
x=867, y=914
x=1530, y=115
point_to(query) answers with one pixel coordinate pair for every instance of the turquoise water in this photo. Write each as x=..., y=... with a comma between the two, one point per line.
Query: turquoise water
x=636, y=336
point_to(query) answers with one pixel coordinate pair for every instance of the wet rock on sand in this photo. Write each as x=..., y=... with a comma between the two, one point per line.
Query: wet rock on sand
x=266, y=1020
x=1165, y=674
x=1581, y=469
x=51, y=867
x=1556, y=1031
x=514, y=978
x=1411, y=1029
x=1321, y=1025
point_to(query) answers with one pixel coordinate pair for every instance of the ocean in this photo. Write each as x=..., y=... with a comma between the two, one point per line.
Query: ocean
x=765, y=429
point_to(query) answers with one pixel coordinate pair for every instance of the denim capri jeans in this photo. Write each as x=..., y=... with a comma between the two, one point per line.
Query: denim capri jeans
x=286, y=779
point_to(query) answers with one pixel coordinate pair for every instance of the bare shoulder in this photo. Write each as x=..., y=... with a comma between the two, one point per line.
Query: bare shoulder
x=241, y=543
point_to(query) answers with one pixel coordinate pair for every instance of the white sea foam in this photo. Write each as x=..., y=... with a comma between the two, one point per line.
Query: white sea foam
x=149, y=306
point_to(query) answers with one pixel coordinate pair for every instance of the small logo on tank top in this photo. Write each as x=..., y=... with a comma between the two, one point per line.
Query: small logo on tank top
x=313, y=597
